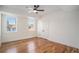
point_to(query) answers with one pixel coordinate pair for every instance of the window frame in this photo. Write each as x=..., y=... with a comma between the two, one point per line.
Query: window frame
x=7, y=24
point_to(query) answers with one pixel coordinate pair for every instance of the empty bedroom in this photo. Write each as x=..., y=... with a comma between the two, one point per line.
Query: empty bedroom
x=39, y=28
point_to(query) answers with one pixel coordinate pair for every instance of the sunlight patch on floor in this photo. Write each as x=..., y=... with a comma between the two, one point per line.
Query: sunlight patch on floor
x=31, y=47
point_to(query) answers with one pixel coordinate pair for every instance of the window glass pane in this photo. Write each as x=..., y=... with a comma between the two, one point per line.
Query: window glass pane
x=11, y=24
x=31, y=20
x=31, y=23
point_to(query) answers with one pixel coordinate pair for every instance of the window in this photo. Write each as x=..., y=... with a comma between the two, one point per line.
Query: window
x=11, y=24
x=31, y=23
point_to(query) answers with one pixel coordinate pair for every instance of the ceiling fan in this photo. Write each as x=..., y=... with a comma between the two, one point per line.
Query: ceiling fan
x=35, y=9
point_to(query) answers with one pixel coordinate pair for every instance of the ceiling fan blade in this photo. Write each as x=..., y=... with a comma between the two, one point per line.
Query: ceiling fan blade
x=40, y=10
x=35, y=7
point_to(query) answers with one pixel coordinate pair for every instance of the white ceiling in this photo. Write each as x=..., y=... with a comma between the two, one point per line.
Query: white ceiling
x=23, y=9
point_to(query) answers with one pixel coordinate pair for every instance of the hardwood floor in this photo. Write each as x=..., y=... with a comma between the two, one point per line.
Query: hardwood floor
x=36, y=45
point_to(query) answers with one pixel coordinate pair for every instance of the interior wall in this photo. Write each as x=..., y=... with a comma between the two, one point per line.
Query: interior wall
x=0, y=29
x=22, y=29
x=61, y=27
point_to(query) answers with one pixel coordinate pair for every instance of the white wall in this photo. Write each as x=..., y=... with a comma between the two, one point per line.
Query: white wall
x=0, y=29
x=22, y=29
x=62, y=27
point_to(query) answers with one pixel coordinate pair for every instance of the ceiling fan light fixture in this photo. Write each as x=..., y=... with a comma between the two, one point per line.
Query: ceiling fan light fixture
x=35, y=11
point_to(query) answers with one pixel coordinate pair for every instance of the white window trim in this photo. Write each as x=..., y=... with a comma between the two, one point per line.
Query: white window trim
x=11, y=15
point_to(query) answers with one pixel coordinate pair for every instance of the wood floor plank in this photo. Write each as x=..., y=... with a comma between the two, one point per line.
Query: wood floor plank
x=36, y=45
